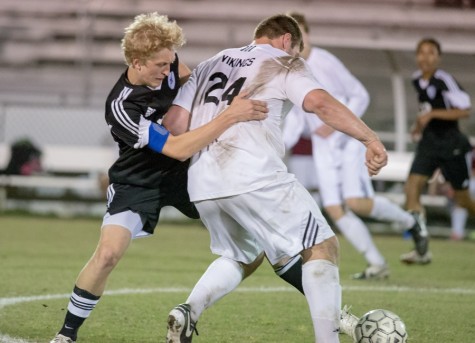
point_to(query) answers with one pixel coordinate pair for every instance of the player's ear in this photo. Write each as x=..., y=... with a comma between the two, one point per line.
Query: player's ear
x=136, y=63
x=287, y=41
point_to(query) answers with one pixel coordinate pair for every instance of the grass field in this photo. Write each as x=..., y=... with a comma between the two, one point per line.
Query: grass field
x=40, y=258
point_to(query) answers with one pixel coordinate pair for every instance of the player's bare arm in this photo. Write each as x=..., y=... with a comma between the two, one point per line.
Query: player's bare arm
x=184, y=146
x=335, y=114
x=177, y=120
x=184, y=72
x=338, y=116
x=452, y=114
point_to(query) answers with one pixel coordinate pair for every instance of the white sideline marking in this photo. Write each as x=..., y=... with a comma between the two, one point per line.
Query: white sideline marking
x=17, y=300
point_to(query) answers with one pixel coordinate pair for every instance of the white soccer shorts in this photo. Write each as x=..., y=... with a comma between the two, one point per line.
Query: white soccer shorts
x=127, y=219
x=281, y=220
x=341, y=170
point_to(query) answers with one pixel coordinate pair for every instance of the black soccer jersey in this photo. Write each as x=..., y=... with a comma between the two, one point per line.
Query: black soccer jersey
x=440, y=92
x=442, y=145
x=129, y=111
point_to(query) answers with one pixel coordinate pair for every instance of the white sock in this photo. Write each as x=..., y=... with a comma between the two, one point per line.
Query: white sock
x=357, y=233
x=222, y=276
x=384, y=209
x=321, y=284
x=458, y=218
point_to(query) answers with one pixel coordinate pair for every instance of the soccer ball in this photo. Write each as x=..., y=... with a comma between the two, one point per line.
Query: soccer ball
x=380, y=326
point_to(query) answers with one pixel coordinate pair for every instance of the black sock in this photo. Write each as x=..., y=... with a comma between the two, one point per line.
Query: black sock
x=73, y=322
x=292, y=272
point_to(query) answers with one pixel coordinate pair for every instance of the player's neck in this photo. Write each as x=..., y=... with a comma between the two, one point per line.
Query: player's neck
x=132, y=76
x=427, y=74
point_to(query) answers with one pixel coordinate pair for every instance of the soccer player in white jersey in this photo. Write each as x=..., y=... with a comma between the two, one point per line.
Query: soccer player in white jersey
x=147, y=175
x=344, y=184
x=246, y=198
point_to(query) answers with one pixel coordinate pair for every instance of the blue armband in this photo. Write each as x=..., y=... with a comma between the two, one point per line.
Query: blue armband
x=157, y=136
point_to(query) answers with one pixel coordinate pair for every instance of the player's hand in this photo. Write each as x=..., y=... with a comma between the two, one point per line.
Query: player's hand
x=243, y=109
x=324, y=131
x=376, y=157
x=416, y=132
x=423, y=120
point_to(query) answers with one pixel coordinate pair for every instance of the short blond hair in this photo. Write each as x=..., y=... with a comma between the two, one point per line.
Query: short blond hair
x=148, y=34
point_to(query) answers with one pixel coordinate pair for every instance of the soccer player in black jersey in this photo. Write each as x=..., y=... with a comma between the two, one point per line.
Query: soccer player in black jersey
x=442, y=102
x=151, y=170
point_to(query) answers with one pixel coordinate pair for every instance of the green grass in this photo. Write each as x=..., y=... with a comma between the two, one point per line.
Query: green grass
x=42, y=256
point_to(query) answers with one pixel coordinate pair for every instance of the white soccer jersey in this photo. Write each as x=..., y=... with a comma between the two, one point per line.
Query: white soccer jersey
x=248, y=156
x=339, y=159
x=337, y=80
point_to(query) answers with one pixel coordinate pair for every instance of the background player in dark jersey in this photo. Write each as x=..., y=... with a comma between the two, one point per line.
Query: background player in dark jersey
x=441, y=144
x=143, y=179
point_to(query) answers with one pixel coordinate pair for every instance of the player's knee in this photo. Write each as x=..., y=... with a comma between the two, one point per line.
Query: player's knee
x=334, y=250
x=328, y=250
x=354, y=205
x=335, y=212
x=106, y=258
x=463, y=199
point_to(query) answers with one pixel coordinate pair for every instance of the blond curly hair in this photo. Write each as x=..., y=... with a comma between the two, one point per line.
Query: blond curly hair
x=148, y=34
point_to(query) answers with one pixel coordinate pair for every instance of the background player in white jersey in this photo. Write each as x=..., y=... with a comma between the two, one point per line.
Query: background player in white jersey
x=240, y=185
x=344, y=184
x=299, y=159
x=143, y=179
x=441, y=144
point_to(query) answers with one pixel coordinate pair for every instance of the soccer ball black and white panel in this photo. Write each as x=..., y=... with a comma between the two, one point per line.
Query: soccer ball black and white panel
x=380, y=326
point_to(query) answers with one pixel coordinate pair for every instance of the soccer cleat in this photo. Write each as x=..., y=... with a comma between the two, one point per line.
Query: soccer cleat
x=419, y=233
x=62, y=339
x=348, y=322
x=180, y=326
x=373, y=272
x=413, y=257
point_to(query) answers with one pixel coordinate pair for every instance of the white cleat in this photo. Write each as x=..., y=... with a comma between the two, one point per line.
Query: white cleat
x=348, y=322
x=62, y=339
x=373, y=272
x=413, y=257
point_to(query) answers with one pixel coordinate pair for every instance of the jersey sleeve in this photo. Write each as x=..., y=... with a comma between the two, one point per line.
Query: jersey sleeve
x=456, y=96
x=186, y=93
x=126, y=122
x=299, y=82
x=356, y=97
x=459, y=100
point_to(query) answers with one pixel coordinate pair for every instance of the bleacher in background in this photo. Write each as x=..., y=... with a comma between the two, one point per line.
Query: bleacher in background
x=57, y=31
x=69, y=51
x=58, y=59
